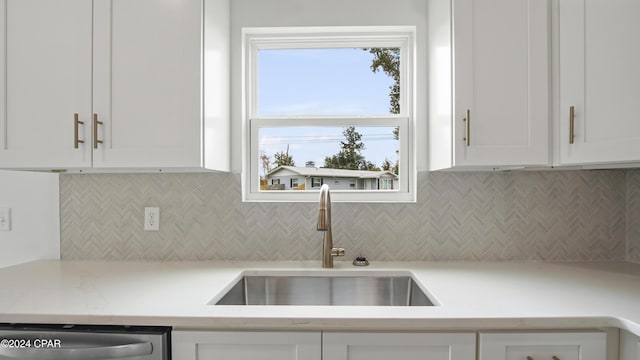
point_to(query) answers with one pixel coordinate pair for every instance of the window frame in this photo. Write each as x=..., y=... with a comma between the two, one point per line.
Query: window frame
x=256, y=39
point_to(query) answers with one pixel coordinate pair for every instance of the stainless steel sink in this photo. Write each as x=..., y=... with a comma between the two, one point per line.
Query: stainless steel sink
x=326, y=290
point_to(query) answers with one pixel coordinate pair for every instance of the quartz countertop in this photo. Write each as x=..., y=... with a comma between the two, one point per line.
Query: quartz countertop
x=471, y=296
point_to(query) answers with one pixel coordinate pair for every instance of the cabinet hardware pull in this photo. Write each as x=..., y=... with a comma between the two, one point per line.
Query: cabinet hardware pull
x=96, y=122
x=555, y=358
x=76, y=123
x=571, y=125
x=467, y=120
x=529, y=358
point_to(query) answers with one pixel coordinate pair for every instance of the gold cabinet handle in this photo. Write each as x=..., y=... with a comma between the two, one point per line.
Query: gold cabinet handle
x=467, y=120
x=76, y=123
x=571, y=125
x=96, y=122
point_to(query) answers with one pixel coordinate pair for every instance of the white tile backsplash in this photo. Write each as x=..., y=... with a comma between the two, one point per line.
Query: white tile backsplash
x=633, y=216
x=519, y=215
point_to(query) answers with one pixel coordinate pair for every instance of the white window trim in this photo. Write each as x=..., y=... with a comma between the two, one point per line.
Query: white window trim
x=255, y=39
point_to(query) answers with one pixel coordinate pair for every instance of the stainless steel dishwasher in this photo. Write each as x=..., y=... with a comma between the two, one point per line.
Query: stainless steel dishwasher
x=84, y=342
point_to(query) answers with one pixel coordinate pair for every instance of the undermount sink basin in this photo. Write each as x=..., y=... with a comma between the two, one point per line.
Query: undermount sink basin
x=325, y=290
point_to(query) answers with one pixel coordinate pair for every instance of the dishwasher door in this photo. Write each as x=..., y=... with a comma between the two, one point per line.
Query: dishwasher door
x=83, y=342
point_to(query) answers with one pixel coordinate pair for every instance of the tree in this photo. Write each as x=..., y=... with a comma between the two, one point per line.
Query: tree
x=349, y=157
x=387, y=165
x=396, y=136
x=388, y=59
x=283, y=158
x=265, y=161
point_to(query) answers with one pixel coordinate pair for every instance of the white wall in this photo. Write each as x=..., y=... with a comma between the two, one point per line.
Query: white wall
x=35, y=217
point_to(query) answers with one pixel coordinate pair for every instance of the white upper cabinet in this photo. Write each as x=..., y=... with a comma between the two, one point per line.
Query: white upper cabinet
x=488, y=83
x=46, y=79
x=149, y=80
x=599, y=53
x=147, y=83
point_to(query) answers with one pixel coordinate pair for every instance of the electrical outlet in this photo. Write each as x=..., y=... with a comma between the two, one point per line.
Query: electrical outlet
x=152, y=218
x=5, y=219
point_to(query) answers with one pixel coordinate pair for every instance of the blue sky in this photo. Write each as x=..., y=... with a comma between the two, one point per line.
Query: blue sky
x=322, y=82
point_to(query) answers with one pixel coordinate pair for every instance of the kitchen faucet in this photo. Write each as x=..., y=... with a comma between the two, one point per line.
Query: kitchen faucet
x=324, y=225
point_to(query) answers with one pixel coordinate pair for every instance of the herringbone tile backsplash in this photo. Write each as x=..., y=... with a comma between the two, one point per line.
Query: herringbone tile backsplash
x=546, y=215
x=633, y=216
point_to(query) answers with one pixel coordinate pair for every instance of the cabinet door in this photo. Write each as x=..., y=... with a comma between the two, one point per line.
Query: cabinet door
x=215, y=345
x=629, y=346
x=599, y=75
x=501, y=72
x=148, y=83
x=398, y=346
x=46, y=73
x=543, y=346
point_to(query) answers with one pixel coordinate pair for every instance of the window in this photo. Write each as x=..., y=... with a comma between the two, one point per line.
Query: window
x=294, y=183
x=333, y=105
x=386, y=184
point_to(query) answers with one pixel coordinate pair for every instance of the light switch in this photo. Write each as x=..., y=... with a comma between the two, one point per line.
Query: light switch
x=5, y=219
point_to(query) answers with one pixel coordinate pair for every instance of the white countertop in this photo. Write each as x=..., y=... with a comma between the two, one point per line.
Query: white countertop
x=471, y=296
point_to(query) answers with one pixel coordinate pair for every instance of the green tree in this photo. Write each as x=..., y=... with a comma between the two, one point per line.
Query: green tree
x=265, y=161
x=283, y=158
x=387, y=165
x=388, y=60
x=350, y=156
x=396, y=167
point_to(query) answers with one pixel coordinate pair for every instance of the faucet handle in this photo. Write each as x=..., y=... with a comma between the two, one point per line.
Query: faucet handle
x=337, y=252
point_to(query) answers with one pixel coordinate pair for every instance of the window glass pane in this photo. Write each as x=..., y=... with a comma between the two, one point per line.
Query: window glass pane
x=328, y=81
x=345, y=158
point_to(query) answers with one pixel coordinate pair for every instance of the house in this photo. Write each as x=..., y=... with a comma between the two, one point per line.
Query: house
x=312, y=177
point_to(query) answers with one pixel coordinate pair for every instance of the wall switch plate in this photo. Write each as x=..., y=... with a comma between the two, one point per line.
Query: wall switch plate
x=5, y=219
x=152, y=218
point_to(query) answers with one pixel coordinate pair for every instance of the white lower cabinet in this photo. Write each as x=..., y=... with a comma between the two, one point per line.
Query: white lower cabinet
x=271, y=345
x=629, y=346
x=398, y=346
x=229, y=345
x=543, y=346
x=213, y=345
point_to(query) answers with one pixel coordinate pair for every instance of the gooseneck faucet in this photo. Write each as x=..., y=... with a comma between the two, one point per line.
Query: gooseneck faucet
x=324, y=225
